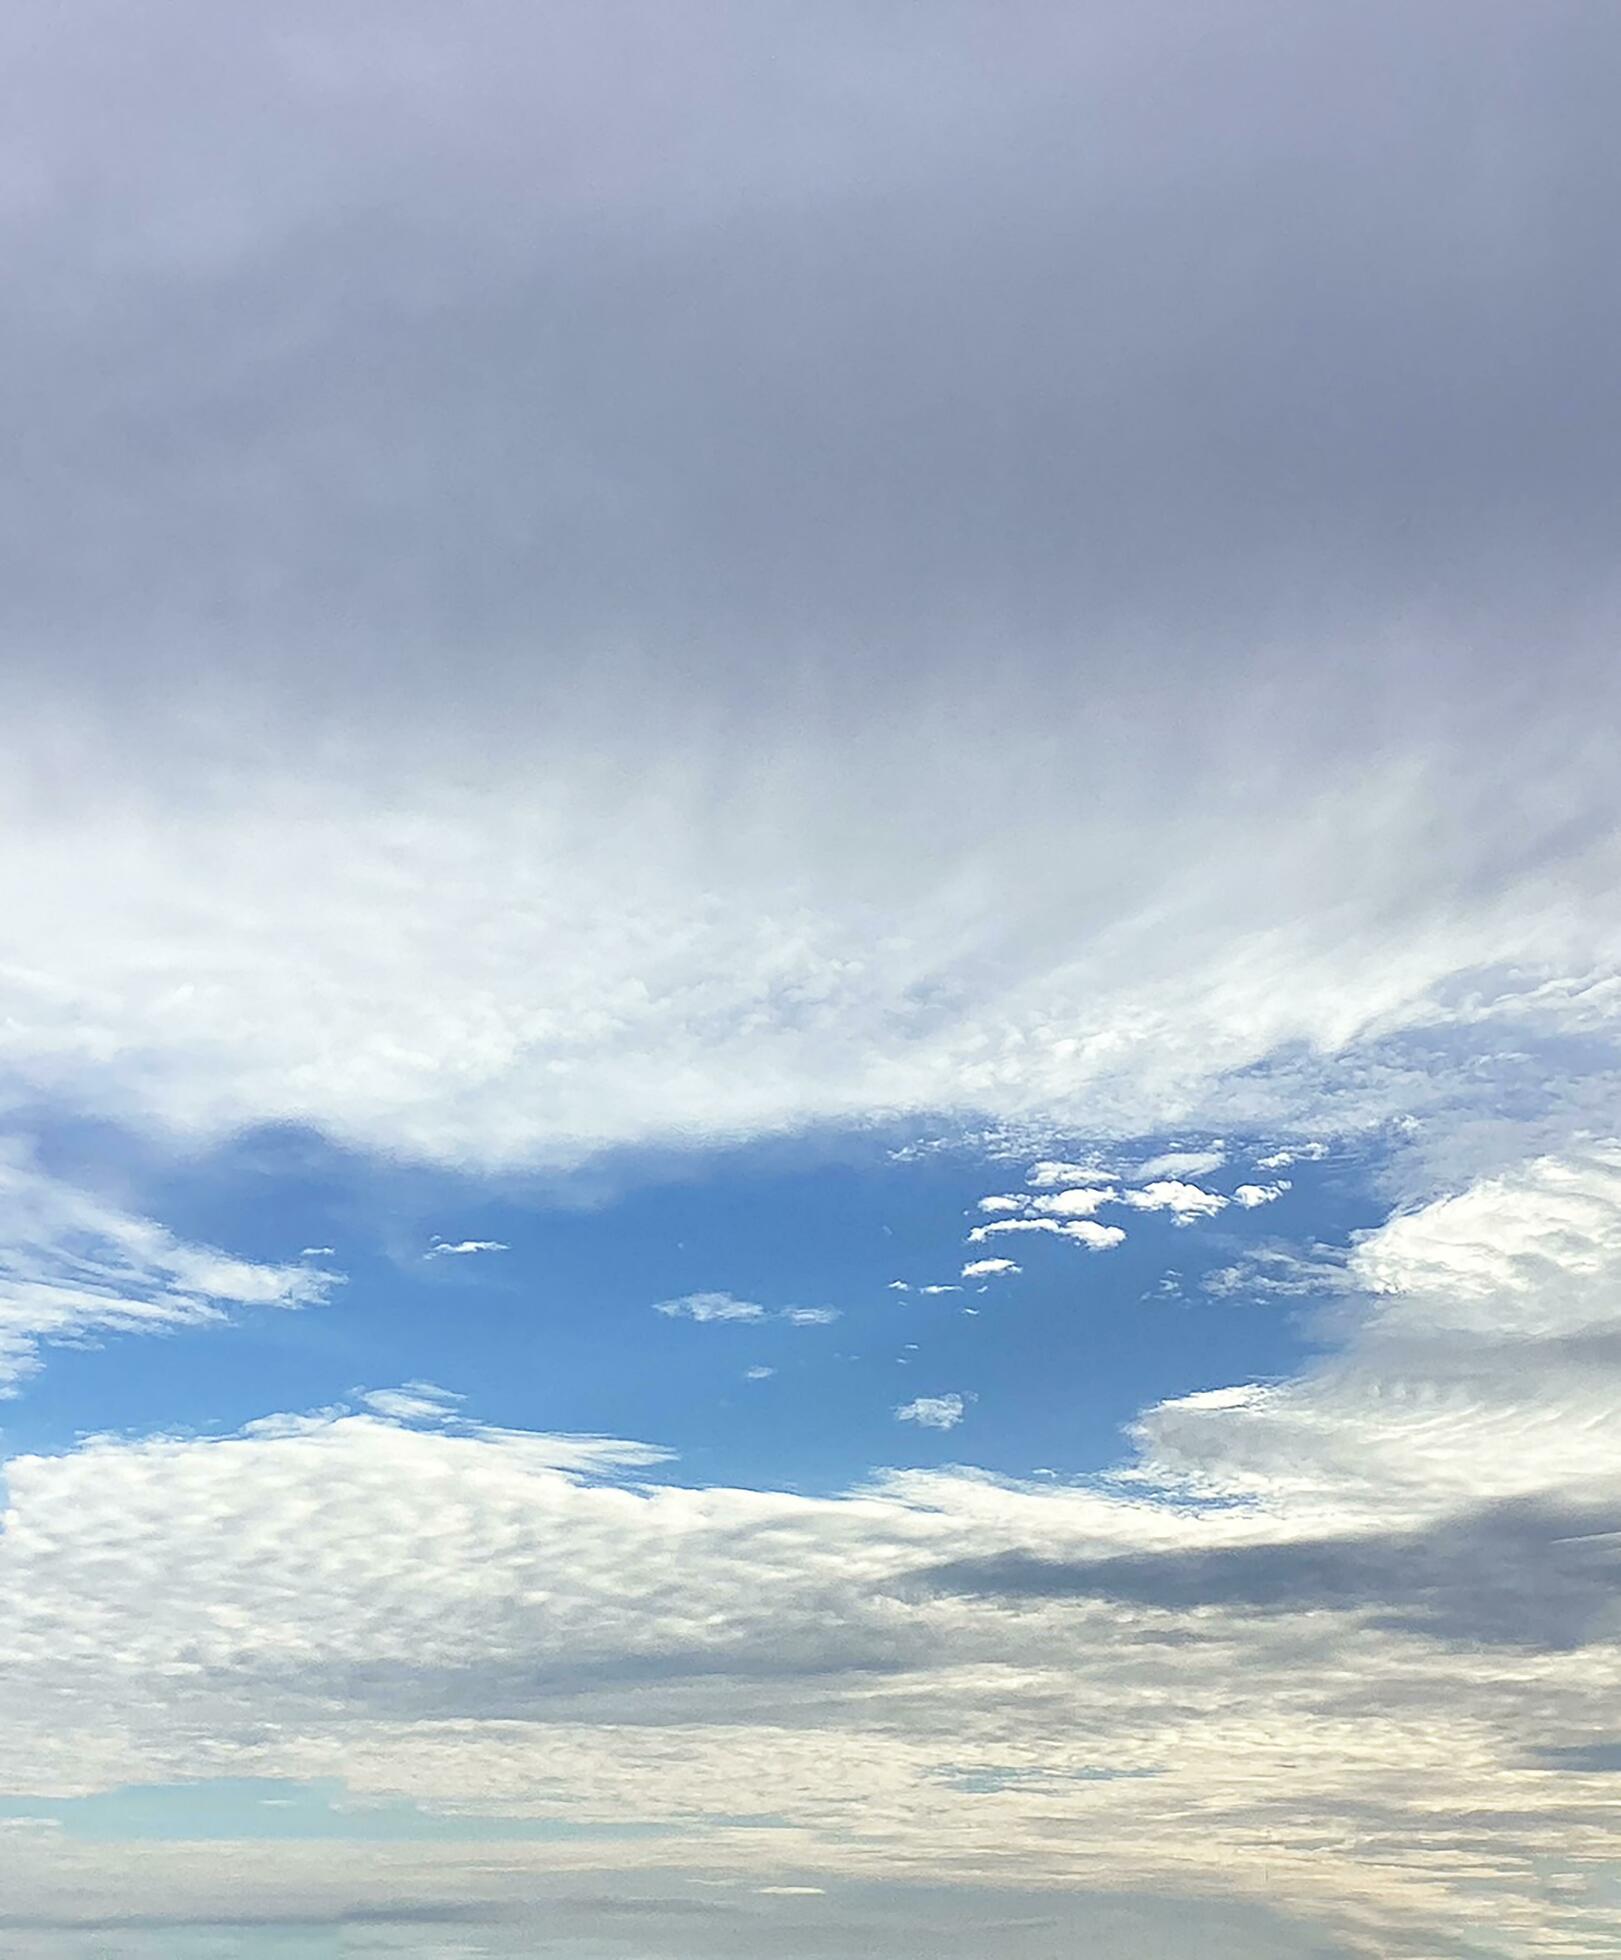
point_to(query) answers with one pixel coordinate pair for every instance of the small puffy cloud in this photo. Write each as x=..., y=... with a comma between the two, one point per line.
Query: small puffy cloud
x=1095, y=1237
x=1184, y=1202
x=810, y=1316
x=1076, y=1204
x=461, y=1248
x=317, y=1252
x=1280, y=1160
x=1001, y=1203
x=1184, y=1163
x=1251, y=1195
x=1050, y=1171
x=984, y=1268
x=709, y=1306
x=761, y=1374
x=899, y=1286
x=937, y=1288
x=932, y=1411
x=1084, y=1231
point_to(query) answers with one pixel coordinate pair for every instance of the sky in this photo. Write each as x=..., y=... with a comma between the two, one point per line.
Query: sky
x=810, y=981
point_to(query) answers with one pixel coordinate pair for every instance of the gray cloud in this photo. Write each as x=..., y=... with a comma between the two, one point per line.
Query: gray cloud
x=580, y=493
x=1535, y=1573
x=1584, y=1758
x=804, y=334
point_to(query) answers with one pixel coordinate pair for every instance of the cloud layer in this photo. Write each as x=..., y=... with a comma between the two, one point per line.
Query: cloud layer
x=1374, y=1606
x=524, y=538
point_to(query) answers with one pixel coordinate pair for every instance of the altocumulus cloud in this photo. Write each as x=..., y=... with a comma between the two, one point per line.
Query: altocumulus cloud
x=1412, y=1545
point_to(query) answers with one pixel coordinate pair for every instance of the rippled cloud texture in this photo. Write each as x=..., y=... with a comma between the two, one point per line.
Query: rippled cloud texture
x=592, y=593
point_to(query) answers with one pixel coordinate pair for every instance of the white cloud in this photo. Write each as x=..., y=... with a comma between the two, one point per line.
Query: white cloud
x=1095, y=1237
x=1280, y=1272
x=1084, y=1231
x=709, y=1306
x=1251, y=1195
x=461, y=1248
x=939, y=1287
x=75, y=1271
x=316, y=1252
x=932, y=1411
x=724, y=1306
x=1001, y=1204
x=1184, y=1201
x=985, y=1268
x=758, y=1374
x=532, y=970
x=1280, y=1160
x=1076, y=1204
x=899, y=1286
x=1519, y=1254
x=1183, y=1163
x=412, y=1402
x=1054, y=1171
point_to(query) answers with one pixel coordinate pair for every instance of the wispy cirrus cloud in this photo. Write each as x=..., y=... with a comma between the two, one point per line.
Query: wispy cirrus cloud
x=705, y=1307
x=932, y=1411
x=78, y=1271
x=720, y=1306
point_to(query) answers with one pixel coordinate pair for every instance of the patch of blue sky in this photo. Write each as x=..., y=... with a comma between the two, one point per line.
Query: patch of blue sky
x=557, y=1331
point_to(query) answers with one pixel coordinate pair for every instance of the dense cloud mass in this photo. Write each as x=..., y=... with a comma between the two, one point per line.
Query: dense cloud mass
x=576, y=580
x=593, y=577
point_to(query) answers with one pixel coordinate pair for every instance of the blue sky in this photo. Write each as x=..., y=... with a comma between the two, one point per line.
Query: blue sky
x=810, y=981
x=556, y=1324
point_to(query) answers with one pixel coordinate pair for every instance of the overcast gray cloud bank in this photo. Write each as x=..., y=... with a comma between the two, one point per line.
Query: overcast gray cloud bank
x=795, y=330
x=578, y=578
